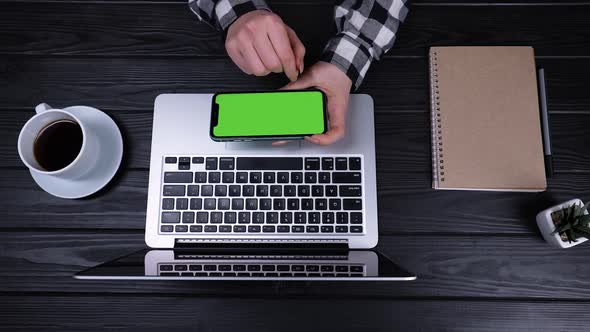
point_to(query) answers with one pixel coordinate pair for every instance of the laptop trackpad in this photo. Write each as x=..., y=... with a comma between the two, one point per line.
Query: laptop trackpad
x=262, y=145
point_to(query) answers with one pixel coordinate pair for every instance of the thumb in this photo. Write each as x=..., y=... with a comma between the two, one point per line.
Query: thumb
x=303, y=82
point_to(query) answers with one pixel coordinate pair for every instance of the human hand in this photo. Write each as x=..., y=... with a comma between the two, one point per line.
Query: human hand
x=259, y=42
x=336, y=85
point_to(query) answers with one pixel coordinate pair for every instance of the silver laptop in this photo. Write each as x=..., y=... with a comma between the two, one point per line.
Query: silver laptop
x=302, y=208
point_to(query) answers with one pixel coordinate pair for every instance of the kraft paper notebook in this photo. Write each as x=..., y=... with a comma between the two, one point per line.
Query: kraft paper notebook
x=486, y=132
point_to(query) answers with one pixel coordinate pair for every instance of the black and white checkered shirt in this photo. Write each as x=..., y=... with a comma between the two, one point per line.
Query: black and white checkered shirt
x=366, y=29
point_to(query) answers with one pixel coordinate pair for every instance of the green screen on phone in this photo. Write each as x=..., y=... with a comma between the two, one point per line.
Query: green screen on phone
x=281, y=113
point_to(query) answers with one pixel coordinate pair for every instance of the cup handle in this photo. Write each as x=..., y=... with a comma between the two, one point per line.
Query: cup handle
x=42, y=108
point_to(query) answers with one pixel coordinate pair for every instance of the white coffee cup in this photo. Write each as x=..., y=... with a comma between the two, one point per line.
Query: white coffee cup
x=45, y=116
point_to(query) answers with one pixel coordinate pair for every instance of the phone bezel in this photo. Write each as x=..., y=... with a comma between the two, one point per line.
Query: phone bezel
x=214, y=115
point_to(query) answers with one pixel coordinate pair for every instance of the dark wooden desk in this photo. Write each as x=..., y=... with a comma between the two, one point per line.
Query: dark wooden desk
x=481, y=261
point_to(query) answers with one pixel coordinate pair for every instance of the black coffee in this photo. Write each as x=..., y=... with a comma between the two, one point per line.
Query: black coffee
x=58, y=144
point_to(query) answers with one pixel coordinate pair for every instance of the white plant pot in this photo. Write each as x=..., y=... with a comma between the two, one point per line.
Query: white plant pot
x=546, y=225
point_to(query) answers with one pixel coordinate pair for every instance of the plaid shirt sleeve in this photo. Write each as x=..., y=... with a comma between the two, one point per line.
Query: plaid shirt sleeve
x=366, y=29
x=220, y=14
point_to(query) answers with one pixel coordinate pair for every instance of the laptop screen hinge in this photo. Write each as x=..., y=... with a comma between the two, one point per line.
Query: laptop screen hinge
x=262, y=245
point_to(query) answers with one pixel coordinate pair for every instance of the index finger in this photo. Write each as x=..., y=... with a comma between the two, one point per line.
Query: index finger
x=282, y=46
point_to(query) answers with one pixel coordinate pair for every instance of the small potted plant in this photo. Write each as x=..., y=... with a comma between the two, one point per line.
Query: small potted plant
x=565, y=225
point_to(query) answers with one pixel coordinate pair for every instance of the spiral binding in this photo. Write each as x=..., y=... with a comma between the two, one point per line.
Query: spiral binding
x=437, y=135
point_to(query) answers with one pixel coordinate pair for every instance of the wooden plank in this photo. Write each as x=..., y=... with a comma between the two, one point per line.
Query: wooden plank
x=447, y=266
x=133, y=84
x=170, y=29
x=406, y=205
x=402, y=139
x=59, y=313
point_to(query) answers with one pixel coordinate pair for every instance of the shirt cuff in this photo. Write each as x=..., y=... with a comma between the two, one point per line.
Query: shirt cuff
x=227, y=11
x=349, y=56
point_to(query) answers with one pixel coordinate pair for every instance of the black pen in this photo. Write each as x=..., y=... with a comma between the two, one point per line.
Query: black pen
x=545, y=124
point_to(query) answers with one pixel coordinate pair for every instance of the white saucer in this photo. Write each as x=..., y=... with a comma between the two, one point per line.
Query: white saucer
x=110, y=140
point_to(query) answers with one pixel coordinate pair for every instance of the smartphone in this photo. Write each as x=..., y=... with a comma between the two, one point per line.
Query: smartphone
x=272, y=115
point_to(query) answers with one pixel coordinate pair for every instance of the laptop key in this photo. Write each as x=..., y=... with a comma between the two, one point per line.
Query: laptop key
x=227, y=177
x=181, y=228
x=341, y=164
x=174, y=190
x=202, y=217
x=346, y=177
x=354, y=163
x=341, y=229
x=258, y=217
x=237, y=204
x=298, y=229
x=223, y=204
x=220, y=190
x=211, y=163
x=350, y=191
x=317, y=191
x=226, y=163
x=239, y=229
x=335, y=203
x=166, y=228
x=168, y=204
x=307, y=204
x=324, y=177
x=239, y=267
x=235, y=190
x=286, y=217
x=312, y=268
x=331, y=191
x=311, y=177
x=229, y=218
x=268, y=229
x=198, y=160
x=278, y=204
x=200, y=177
x=196, y=203
x=270, y=163
x=314, y=217
x=276, y=190
x=303, y=191
x=283, y=229
x=327, y=164
x=209, y=204
x=342, y=217
x=261, y=190
x=312, y=229
x=283, y=177
x=293, y=204
x=207, y=190
x=296, y=177
x=166, y=268
x=244, y=217
x=253, y=229
x=216, y=217
x=356, y=217
x=193, y=190
x=248, y=190
x=181, y=203
x=272, y=217
x=265, y=204
x=255, y=177
x=210, y=229
x=321, y=204
x=170, y=160
x=242, y=177
x=196, y=229
x=188, y=217
x=352, y=204
x=356, y=229
x=300, y=218
x=327, y=229
x=269, y=177
x=178, y=177
x=312, y=164
x=290, y=191
x=251, y=204
x=170, y=217
x=327, y=217
x=214, y=177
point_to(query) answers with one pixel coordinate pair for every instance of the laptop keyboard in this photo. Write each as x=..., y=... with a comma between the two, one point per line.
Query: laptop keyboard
x=261, y=270
x=262, y=195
